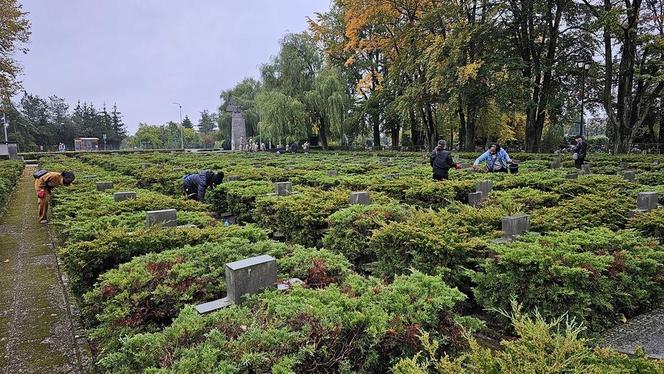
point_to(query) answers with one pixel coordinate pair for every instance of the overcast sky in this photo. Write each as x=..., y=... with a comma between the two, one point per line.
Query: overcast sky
x=146, y=54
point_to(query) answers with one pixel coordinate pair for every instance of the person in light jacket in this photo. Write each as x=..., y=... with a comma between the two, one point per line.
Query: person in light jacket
x=496, y=158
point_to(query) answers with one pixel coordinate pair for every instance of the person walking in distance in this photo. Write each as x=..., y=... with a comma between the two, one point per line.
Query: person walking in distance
x=441, y=161
x=45, y=182
x=580, y=151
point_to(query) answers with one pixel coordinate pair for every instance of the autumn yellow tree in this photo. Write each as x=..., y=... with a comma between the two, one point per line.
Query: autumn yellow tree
x=14, y=33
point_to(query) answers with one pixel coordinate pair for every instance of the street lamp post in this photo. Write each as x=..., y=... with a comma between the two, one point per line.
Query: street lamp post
x=584, y=67
x=181, y=131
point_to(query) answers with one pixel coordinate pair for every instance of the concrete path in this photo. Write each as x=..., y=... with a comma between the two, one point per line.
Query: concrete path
x=646, y=330
x=37, y=332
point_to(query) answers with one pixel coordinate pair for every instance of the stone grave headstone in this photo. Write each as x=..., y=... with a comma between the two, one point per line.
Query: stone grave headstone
x=122, y=196
x=91, y=176
x=392, y=176
x=585, y=168
x=485, y=187
x=238, y=128
x=647, y=201
x=332, y=173
x=514, y=226
x=103, y=186
x=283, y=188
x=231, y=178
x=475, y=198
x=250, y=276
x=629, y=175
x=360, y=197
x=572, y=175
x=165, y=218
x=556, y=164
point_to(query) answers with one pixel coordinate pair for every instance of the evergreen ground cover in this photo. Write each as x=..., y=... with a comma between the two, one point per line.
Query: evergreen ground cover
x=417, y=263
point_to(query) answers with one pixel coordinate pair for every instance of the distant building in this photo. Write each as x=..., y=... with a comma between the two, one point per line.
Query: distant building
x=86, y=144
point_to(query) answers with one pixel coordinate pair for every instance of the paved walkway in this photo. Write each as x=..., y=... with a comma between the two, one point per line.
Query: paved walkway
x=646, y=330
x=36, y=327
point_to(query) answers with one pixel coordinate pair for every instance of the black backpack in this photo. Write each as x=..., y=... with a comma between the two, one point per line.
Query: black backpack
x=39, y=173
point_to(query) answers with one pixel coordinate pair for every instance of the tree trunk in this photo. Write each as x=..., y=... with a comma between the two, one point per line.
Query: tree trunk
x=416, y=136
x=322, y=134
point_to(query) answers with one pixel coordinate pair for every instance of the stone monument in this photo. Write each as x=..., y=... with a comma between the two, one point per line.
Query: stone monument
x=238, y=129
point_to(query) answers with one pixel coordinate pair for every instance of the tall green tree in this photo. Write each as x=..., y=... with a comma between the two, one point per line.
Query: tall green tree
x=186, y=123
x=207, y=122
x=14, y=34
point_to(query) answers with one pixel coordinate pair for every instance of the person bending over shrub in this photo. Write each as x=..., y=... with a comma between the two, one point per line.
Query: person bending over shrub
x=195, y=185
x=45, y=182
x=441, y=161
x=496, y=158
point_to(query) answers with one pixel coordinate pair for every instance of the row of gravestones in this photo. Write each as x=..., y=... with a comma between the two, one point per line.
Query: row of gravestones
x=628, y=175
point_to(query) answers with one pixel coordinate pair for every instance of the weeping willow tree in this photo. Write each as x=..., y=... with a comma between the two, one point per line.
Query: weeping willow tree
x=281, y=117
x=328, y=104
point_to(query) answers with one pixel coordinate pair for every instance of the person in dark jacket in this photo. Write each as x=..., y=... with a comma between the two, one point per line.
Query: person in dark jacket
x=441, y=161
x=293, y=147
x=195, y=185
x=580, y=150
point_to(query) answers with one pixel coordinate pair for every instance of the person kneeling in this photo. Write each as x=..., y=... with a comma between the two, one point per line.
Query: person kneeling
x=195, y=185
x=496, y=158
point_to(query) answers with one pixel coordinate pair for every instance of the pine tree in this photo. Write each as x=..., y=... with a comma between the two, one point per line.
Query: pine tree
x=207, y=122
x=186, y=123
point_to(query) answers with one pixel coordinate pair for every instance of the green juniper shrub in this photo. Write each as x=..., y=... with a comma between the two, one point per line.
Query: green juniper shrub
x=530, y=198
x=90, y=229
x=597, y=276
x=9, y=174
x=542, y=346
x=363, y=326
x=238, y=198
x=594, y=184
x=439, y=194
x=351, y=228
x=85, y=261
x=609, y=209
x=427, y=241
x=301, y=217
x=649, y=223
x=146, y=293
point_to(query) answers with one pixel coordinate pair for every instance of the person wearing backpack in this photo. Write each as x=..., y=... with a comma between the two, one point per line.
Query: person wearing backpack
x=441, y=161
x=45, y=182
x=195, y=185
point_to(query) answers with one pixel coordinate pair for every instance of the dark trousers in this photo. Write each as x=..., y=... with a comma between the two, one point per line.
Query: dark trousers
x=190, y=192
x=439, y=175
x=579, y=161
x=503, y=170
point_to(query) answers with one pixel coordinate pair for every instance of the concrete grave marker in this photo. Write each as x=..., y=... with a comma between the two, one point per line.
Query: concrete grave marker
x=513, y=226
x=165, y=218
x=360, y=197
x=231, y=178
x=556, y=164
x=250, y=276
x=122, y=196
x=475, y=198
x=103, y=186
x=91, y=176
x=647, y=201
x=572, y=175
x=332, y=173
x=484, y=187
x=585, y=168
x=629, y=175
x=283, y=188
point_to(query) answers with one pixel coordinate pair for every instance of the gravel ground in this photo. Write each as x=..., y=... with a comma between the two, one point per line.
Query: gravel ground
x=37, y=331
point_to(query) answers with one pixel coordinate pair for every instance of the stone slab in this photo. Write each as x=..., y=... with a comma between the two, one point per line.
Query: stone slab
x=249, y=276
x=122, y=196
x=231, y=178
x=646, y=330
x=585, y=168
x=647, y=201
x=629, y=175
x=283, y=188
x=332, y=173
x=360, y=197
x=103, y=186
x=475, y=198
x=213, y=305
x=485, y=187
x=514, y=226
x=572, y=175
x=165, y=218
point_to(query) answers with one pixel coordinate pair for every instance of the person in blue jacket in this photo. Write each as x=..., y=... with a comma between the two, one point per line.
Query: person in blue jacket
x=497, y=159
x=195, y=185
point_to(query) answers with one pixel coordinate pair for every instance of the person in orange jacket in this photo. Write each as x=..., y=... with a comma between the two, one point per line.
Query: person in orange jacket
x=45, y=184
